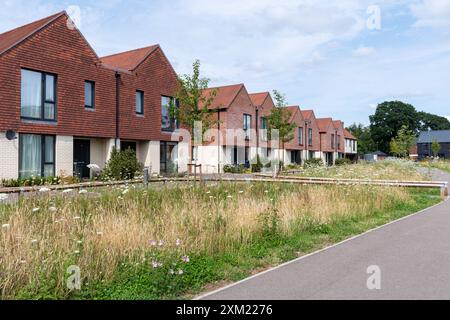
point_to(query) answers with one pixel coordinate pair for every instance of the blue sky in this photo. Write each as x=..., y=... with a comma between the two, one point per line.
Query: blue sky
x=321, y=54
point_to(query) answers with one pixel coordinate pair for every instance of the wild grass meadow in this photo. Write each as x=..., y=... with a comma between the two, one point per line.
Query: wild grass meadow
x=178, y=240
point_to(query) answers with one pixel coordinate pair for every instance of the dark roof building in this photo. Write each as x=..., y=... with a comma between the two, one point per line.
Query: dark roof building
x=426, y=139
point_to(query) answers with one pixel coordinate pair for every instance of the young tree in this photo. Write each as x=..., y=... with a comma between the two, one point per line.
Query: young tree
x=435, y=147
x=279, y=120
x=404, y=140
x=192, y=105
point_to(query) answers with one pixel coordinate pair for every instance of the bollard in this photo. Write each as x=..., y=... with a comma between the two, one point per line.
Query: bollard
x=444, y=191
x=145, y=178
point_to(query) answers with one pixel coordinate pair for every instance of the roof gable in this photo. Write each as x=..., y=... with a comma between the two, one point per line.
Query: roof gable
x=295, y=111
x=225, y=95
x=258, y=99
x=12, y=38
x=348, y=135
x=324, y=124
x=129, y=60
x=308, y=114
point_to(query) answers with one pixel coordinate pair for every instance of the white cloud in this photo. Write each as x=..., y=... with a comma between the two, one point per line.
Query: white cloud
x=364, y=51
x=431, y=13
x=448, y=117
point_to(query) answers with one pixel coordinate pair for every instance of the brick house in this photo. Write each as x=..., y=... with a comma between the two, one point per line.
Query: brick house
x=340, y=139
x=64, y=107
x=328, y=140
x=312, y=135
x=233, y=141
x=263, y=103
x=294, y=149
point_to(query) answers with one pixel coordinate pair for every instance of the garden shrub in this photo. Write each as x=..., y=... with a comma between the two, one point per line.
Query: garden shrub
x=123, y=165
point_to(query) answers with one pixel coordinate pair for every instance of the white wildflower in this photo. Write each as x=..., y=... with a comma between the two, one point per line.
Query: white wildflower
x=44, y=189
x=3, y=196
x=180, y=272
x=6, y=226
x=178, y=242
x=67, y=191
x=52, y=209
x=36, y=210
x=153, y=243
x=82, y=191
x=99, y=233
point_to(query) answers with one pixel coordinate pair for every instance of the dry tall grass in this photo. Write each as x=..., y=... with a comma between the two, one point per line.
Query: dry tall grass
x=382, y=170
x=98, y=231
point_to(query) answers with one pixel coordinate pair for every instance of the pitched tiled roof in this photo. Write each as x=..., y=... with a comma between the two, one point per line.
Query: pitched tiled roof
x=293, y=110
x=324, y=123
x=259, y=98
x=338, y=124
x=307, y=114
x=348, y=135
x=13, y=37
x=224, y=95
x=129, y=60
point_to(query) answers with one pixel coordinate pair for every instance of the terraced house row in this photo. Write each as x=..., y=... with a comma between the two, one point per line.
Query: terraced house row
x=63, y=107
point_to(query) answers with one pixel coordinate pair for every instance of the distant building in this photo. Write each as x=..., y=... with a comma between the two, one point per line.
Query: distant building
x=375, y=156
x=425, y=140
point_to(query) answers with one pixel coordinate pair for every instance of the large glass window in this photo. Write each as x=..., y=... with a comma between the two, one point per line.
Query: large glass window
x=247, y=125
x=168, y=157
x=310, y=137
x=139, y=102
x=167, y=122
x=89, y=94
x=37, y=156
x=38, y=95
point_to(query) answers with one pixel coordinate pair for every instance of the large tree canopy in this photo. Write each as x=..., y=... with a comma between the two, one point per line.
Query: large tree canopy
x=430, y=121
x=388, y=119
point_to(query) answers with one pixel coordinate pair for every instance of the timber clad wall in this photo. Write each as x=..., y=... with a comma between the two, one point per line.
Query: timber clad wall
x=59, y=50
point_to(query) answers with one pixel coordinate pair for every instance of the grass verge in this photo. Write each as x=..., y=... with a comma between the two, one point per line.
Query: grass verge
x=268, y=250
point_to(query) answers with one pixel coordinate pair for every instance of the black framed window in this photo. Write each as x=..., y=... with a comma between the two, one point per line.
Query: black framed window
x=310, y=137
x=333, y=141
x=247, y=126
x=38, y=95
x=168, y=123
x=139, y=102
x=89, y=94
x=300, y=135
x=36, y=155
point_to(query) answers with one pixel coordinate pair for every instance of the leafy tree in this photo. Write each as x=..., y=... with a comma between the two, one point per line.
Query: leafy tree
x=192, y=105
x=388, y=119
x=404, y=140
x=364, y=137
x=279, y=120
x=430, y=121
x=435, y=147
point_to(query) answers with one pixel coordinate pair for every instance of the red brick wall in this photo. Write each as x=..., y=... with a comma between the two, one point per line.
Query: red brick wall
x=316, y=136
x=57, y=49
x=294, y=143
x=241, y=105
x=156, y=78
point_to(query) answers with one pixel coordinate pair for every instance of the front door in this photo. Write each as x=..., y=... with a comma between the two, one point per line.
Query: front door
x=81, y=158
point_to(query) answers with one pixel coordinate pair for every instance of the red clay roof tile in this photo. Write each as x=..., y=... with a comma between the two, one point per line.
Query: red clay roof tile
x=13, y=37
x=259, y=98
x=128, y=60
x=225, y=95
